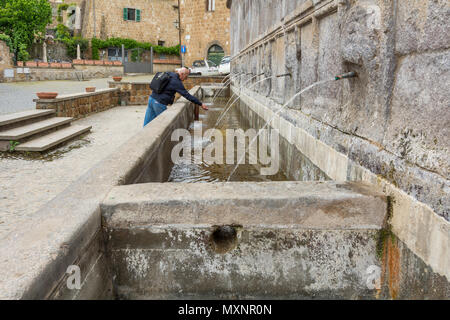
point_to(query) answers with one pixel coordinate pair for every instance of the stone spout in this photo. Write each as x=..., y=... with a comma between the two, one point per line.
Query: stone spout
x=351, y=74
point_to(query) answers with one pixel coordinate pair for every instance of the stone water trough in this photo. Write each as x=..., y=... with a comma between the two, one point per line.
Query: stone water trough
x=135, y=236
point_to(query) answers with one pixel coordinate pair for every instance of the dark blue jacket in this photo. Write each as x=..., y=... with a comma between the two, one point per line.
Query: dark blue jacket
x=175, y=85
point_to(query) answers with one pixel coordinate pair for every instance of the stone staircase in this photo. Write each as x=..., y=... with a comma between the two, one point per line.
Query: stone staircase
x=37, y=130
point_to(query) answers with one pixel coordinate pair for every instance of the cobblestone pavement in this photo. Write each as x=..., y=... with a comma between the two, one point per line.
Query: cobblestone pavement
x=26, y=184
x=18, y=96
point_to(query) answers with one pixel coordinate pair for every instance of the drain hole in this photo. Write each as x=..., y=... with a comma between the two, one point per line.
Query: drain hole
x=224, y=238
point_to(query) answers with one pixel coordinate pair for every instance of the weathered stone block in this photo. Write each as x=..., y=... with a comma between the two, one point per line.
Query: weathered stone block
x=420, y=131
x=422, y=25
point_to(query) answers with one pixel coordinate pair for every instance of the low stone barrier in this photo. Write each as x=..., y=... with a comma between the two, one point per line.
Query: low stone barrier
x=162, y=65
x=78, y=105
x=137, y=93
x=132, y=93
x=34, y=71
x=193, y=80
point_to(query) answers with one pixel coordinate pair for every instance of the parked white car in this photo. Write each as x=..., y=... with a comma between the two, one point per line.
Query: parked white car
x=204, y=68
x=224, y=67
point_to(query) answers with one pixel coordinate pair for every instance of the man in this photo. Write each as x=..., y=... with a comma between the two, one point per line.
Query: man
x=157, y=103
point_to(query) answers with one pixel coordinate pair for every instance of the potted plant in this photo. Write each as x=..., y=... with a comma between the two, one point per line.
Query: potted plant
x=117, y=79
x=47, y=95
x=90, y=89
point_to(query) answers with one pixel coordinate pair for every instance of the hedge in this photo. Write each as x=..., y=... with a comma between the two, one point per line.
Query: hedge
x=130, y=44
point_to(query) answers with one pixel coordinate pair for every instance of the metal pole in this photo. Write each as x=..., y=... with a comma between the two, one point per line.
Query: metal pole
x=123, y=54
x=179, y=31
x=93, y=10
x=151, y=60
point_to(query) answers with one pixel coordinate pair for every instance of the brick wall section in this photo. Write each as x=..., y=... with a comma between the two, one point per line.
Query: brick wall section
x=82, y=104
x=204, y=28
x=132, y=93
x=137, y=93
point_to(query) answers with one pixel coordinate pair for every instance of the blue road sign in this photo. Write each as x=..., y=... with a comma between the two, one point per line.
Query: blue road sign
x=183, y=49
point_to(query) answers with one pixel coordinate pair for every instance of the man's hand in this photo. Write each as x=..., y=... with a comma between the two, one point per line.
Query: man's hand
x=204, y=107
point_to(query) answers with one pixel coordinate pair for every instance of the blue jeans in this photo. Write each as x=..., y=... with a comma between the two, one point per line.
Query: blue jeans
x=153, y=110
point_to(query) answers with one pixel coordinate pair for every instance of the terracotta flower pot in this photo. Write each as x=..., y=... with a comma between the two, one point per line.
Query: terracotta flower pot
x=90, y=89
x=47, y=95
x=117, y=79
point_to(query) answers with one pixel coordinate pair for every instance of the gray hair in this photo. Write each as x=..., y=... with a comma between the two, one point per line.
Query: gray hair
x=184, y=70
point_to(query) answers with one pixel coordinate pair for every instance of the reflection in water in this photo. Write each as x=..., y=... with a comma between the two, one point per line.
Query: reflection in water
x=203, y=172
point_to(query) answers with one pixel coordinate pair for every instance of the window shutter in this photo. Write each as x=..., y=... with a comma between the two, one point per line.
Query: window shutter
x=138, y=15
x=125, y=14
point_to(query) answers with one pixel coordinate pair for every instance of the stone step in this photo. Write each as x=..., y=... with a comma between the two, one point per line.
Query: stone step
x=22, y=116
x=33, y=128
x=52, y=139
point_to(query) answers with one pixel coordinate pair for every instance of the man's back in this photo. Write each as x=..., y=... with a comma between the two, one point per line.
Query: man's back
x=175, y=85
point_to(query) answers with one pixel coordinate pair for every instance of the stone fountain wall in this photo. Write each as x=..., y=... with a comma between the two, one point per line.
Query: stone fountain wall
x=393, y=121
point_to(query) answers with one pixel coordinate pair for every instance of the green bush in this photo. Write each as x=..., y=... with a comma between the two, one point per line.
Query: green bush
x=130, y=44
x=62, y=32
x=24, y=21
x=8, y=41
x=71, y=45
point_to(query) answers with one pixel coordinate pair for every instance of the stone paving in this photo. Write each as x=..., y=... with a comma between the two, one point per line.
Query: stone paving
x=18, y=96
x=26, y=184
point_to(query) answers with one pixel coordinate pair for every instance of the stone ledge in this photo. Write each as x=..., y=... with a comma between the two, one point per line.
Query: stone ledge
x=129, y=82
x=76, y=95
x=308, y=205
x=161, y=61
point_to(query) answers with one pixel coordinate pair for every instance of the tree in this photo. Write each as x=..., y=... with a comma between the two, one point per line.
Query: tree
x=23, y=21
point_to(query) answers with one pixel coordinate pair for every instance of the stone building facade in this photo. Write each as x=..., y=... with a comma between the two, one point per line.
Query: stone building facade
x=204, y=27
x=153, y=21
x=205, y=24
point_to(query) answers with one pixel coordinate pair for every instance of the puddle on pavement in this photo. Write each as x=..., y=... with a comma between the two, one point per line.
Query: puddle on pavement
x=54, y=153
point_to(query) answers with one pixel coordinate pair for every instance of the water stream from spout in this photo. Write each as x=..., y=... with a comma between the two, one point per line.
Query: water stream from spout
x=227, y=108
x=224, y=85
x=275, y=114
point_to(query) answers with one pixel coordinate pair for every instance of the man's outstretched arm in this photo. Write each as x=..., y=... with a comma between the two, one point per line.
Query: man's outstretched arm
x=190, y=97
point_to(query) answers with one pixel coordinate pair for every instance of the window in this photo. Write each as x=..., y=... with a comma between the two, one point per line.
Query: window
x=215, y=54
x=210, y=5
x=130, y=14
x=161, y=43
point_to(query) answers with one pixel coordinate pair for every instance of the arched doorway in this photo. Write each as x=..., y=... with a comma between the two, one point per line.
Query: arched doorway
x=215, y=54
